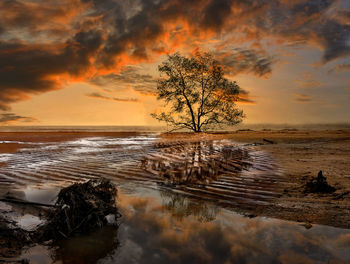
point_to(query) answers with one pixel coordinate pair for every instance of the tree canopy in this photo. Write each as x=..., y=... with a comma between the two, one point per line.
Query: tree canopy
x=197, y=95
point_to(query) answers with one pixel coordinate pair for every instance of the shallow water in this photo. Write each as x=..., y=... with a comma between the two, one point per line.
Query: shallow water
x=166, y=223
x=120, y=158
x=160, y=226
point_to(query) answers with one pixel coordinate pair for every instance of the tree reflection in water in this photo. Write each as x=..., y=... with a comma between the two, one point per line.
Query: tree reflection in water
x=195, y=162
x=181, y=206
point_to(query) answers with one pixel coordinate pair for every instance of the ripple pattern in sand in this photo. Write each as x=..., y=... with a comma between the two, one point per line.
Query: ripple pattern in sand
x=243, y=175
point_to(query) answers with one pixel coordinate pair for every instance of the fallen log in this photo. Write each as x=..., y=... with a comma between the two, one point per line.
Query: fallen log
x=18, y=201
x=268, y=141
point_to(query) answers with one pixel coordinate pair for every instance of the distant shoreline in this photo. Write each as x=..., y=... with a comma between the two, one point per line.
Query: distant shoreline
x=257, y=127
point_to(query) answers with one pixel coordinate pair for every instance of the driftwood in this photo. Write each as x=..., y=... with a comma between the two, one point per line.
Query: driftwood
x=81, y=208
x=342, y=195
x=18, y=201
x=268, y=141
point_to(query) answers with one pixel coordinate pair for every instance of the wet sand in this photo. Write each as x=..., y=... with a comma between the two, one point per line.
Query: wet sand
x=301, y=155
x=262, y=173
x=298, y=155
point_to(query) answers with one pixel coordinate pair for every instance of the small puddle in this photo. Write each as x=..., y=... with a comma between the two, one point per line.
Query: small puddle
x=4, y=207
x=44, y=194
x=28, y=222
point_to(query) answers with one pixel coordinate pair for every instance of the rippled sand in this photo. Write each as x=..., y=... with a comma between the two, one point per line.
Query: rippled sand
x=259, y=178
x=169, y=209
x=248, y=177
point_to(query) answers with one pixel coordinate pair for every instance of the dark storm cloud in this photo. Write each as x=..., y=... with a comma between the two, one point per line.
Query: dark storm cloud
x=243, y=60
x=129, y=76
x=47, y=17
x=11, y=117
x=100, y=96
x=243, y=100
x=31, y=69
x=309, y=21
x=244, y=97
x=302, y=98
x=146, y=84
x=340, y=68
x=335, y=39
x=215, y=14
x=46, y=44
x=344, y=15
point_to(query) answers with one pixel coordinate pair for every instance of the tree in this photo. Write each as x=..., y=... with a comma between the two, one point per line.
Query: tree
x=197, y=95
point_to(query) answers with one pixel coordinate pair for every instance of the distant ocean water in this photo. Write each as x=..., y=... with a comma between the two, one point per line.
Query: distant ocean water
x=82, y=129
x=164, y=128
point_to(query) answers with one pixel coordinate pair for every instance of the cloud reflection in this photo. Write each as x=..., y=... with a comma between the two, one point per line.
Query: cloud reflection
x=158, y=237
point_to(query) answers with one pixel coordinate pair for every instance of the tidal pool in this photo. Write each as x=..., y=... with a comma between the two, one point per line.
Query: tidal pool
x=160, y=226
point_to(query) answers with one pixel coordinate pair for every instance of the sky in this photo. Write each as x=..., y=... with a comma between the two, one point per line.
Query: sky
x=94, y=62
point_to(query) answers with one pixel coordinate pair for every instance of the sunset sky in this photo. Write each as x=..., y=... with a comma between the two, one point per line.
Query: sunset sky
x=94, y=62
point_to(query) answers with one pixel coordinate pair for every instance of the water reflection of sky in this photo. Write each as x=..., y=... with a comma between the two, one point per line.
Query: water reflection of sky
x=152, y=234
x=159, y=226
x=164, y=227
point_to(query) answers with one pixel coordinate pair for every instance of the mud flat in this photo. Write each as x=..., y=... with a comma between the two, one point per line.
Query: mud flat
x=265, y=175
x=301, y=155
x=172, y=183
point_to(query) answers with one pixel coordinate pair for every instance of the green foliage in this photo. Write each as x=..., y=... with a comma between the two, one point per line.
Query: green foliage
x=199, y=96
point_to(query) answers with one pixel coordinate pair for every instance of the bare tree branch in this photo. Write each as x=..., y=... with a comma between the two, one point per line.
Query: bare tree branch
x=199, y=96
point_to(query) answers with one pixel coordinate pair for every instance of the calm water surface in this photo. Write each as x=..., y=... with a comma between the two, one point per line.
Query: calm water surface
x=160, y=226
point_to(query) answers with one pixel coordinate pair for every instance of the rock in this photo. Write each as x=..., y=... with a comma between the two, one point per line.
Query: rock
x=307, y=225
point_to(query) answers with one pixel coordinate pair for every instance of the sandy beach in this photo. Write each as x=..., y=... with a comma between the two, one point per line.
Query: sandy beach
x=299, y=154
x=251, y=176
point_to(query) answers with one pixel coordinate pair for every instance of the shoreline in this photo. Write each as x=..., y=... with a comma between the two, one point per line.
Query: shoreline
x=299, y=153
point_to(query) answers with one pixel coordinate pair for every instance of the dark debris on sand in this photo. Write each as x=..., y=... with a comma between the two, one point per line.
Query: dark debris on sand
x=12, y=239
x=81, y=208
x=318, y=185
